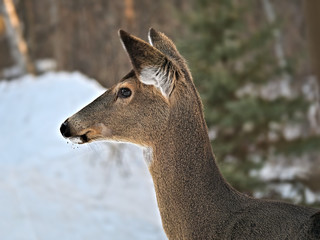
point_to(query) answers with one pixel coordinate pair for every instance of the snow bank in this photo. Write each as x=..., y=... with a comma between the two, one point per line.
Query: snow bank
x=53, y=190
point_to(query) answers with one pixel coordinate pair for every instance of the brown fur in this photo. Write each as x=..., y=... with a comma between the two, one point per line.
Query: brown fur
x=195, y=201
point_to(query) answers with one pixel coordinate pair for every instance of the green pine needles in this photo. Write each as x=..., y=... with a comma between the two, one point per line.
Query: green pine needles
x=233, y=63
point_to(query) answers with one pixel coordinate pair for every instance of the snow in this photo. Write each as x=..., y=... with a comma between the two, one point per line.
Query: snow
x=53, y=190
x=273, y=170
x=45, y=65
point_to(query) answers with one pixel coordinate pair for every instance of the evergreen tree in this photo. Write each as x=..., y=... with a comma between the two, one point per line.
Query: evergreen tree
x=230, y=65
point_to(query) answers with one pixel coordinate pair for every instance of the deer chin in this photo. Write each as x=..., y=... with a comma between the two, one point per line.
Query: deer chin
x=77, y=140
x=86, y=137
x=100, y=132
x=81, y=139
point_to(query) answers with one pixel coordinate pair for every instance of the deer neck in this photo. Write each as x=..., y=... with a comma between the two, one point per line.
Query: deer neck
x=187, y=180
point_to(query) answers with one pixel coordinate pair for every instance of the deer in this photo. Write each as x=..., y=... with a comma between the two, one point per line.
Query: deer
x=156, y=106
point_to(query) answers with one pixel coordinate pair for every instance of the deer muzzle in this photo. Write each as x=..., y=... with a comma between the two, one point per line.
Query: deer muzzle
x=66, y=132
x=84, y=134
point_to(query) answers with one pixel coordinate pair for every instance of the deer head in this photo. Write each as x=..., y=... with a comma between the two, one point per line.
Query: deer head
x=157, y=106
x=137, y=109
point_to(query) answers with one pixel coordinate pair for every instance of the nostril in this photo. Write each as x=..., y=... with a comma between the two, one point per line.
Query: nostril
x=65, y=130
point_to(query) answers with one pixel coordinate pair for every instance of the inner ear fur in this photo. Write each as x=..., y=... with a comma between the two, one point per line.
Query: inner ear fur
x=151, y=65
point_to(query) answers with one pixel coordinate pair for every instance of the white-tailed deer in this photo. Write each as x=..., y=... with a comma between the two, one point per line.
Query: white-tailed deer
x=157, y=107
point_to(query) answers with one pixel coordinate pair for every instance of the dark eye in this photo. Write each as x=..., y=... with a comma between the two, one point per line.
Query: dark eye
x=124, y=93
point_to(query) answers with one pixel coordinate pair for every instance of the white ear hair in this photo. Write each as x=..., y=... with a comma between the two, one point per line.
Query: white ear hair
x=149, y=38
x=158, y=77
x=149, y=63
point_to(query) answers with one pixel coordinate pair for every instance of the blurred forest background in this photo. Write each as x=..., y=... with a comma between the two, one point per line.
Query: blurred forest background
x=255, y=63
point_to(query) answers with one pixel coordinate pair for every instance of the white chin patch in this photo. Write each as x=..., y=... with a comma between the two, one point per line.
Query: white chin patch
x=76, y=140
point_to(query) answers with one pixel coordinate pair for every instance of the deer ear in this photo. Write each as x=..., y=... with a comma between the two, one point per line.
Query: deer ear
x=151, y=65
x=161, y=42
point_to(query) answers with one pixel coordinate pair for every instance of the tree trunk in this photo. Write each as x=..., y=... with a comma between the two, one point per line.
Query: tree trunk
x=18, y=46
x=312, y=9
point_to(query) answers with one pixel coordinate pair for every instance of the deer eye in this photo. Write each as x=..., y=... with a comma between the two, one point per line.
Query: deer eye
x=124, y=93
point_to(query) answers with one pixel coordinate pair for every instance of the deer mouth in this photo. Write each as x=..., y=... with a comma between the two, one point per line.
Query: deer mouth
x=84, y=138
x=81, y=139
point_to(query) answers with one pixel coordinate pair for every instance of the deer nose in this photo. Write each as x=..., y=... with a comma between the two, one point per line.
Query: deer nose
x=65, y=129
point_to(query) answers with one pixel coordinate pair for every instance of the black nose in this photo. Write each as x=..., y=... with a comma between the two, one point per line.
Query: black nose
x=65, y=129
